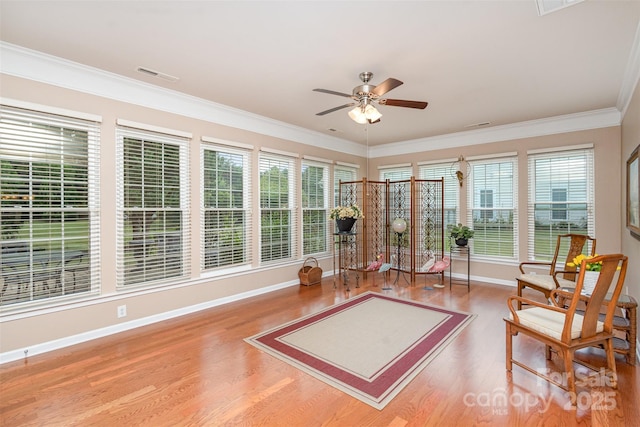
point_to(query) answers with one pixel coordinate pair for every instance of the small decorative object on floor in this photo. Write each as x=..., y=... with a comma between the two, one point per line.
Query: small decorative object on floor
x=345, y=217
x=310, y=273
x=374, y=265
x=461, y=234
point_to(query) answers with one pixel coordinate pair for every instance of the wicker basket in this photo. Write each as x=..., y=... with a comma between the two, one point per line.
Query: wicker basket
x=310, y=274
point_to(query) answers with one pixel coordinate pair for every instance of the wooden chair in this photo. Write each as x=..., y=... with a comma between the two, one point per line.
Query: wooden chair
x=564, y=330
x=559, y=275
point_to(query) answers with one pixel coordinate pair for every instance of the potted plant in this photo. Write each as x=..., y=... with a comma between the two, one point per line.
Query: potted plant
x=346, y=217
x=460, y=233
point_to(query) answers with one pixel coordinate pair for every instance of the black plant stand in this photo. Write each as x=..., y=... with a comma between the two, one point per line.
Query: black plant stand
x=459, y=250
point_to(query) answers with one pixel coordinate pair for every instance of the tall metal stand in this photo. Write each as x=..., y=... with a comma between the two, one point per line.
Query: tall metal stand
x=399, y=225
x=347, y=254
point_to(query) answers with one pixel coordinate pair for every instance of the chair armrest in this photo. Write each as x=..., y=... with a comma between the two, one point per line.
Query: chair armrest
x=555, y=274
x=531, y=263
x=529, y=302
x=560, y=294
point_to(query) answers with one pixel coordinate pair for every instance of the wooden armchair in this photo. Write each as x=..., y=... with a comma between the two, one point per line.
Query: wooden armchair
x=559, y=275
x=566, y=331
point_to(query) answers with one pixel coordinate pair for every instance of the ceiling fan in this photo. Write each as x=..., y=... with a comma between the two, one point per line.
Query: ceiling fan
x=365, y=95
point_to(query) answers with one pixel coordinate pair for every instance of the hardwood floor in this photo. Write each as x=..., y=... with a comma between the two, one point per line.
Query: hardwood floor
x=197, y=371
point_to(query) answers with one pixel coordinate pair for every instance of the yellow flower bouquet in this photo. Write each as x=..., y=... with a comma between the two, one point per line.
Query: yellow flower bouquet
x=589, y=266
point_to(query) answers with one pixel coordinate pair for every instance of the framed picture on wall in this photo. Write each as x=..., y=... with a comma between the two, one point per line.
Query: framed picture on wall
x=633, y=194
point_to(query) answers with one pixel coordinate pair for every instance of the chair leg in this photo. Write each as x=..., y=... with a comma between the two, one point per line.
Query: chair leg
x=509, y=347
x=611, y=362
x=547, y=351
x=567, y=354
x=520, y=294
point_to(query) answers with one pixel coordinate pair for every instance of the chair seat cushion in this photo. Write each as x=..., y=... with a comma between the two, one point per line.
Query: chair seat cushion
x=545, y=281
x=550, y=322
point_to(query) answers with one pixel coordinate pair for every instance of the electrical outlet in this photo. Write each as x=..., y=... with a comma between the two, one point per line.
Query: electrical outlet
x=122, y=310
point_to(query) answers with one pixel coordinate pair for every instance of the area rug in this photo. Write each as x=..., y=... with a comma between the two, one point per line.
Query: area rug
x=369, y=346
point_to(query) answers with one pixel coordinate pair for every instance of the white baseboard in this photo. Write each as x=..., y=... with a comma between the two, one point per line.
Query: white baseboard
x=11, y=356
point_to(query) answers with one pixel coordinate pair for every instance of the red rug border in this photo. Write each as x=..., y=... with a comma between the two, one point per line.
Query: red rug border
x=401, y=368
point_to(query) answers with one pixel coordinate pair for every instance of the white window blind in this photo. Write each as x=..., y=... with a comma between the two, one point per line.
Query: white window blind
x=278, y=225
x=561, y=186
x=344, y=174
x=395, y=173
x=492, y=198
x=451, y=189
x=226, y=212
x=49, y=206
x=315, y=207
x=152, y=208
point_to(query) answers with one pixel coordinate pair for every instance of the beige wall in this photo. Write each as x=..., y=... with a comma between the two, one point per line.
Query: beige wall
x=630, y=140
x=608, y=175
x=19, y=331
x=22, y=331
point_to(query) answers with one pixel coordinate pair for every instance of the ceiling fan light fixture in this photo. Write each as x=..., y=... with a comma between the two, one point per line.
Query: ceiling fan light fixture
x=358, y=116
x=365, y=114
x=371, y=113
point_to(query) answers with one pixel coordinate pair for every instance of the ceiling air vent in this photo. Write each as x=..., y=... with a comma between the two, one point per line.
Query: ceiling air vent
x=548, y=6
x=158, y=74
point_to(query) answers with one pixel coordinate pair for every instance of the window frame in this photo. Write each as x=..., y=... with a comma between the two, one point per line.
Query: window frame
x=160, y=252
x=341, y=171
x=321, y=213
x=52, y=262
x=401, y=172
x=243, y=155
x=489, y=241
x=541, y=247
x=443, y=169
x=268, y=160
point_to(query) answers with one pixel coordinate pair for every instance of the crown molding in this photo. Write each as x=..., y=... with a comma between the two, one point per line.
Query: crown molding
x=33, y=65
x=44, y=68
x=631, y=75
x=549, y=126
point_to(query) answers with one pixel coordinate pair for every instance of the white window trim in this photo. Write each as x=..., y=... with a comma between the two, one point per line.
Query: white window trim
x=244, y=151
x=183, y=144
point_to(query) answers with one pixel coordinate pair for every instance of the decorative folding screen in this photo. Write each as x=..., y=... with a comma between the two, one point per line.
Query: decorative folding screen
x=419, y=202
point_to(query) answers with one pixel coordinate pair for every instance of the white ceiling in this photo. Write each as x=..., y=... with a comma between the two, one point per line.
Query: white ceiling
x=473, y=61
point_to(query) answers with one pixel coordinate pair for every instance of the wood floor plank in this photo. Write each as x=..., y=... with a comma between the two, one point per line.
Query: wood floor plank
x=197, y=370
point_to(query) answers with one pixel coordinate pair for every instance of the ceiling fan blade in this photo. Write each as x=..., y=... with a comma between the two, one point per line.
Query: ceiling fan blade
x=386, y=86
x=403, y=103
x=331, y=110
x=332, y=92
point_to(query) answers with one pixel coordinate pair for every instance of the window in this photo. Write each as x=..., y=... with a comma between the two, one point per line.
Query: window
x=559, y=210
x=226, y=198
x=451, y=189
x=277, y=203
x=492, y=196
x=344, y=174
x=315, y=212
x=486, y=203
x=153, y=207
x=49, y=205
x=395, y=173
x=560, y=198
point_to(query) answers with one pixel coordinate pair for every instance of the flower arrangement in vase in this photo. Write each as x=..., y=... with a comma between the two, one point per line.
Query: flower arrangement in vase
x=591, y=272
x=345, y=217
x=589, y=266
